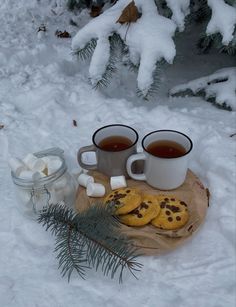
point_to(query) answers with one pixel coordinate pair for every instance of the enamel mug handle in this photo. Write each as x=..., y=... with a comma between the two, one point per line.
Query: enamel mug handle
x=79, y=157
x=130, y=161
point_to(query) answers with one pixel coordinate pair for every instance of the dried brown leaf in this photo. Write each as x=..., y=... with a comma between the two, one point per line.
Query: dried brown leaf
x=129, y=14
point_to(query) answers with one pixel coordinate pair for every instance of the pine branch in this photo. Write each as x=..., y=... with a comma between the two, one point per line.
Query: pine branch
x=117, y=47
x=90, y=239
x=206, y=42
x=157, y=75
x=87, y=51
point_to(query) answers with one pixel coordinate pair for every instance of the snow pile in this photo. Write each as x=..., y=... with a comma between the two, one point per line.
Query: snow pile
x=149, y=40
x=220, y=85
x=180, y=10
x=223, y=20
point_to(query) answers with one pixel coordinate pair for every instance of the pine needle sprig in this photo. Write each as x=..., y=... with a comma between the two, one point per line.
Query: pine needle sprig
x=116, y=50
x=86, y=52
x=155, y=86
x=90, y=239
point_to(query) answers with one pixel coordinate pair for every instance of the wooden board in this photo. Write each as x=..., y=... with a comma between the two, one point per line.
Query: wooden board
x=149, y=239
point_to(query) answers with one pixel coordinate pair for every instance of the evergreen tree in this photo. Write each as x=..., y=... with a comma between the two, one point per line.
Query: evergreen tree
x=141, y=34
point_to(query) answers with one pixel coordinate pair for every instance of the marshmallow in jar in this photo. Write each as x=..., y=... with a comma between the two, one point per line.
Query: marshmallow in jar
x=41, y=180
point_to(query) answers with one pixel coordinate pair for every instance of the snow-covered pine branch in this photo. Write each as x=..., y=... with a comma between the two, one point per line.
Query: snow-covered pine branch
x=221, y=86
x=223, y=20
x=180, y=9
x=149, y=40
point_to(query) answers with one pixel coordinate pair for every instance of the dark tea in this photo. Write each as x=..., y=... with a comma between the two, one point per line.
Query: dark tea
x=166, y=149
x=115, y=143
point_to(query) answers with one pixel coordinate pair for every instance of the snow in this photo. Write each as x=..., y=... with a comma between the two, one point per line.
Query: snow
x=151, y=30
x=223, y=20
x=42, y=90
x=180, y=9
x=220, y=85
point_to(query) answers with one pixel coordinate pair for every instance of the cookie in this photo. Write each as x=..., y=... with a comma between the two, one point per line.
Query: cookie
x=125, y=200
x=148, y=209
x=174, y=213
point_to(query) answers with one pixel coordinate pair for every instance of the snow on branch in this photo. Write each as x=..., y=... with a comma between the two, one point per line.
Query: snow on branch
x=149, y=40
x=220, y=85
x=180, y=10
x=223, y=20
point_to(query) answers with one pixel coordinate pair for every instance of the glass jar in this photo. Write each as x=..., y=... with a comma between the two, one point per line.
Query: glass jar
x=58, y=187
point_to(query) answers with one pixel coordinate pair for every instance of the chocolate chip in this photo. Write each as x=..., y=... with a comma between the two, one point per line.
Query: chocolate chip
x=170, y=219
x=140, y=215
x=183, y=203
x=143, y=205
x=127, y=191
x=117, y=202
x=174, y=209
x=150, y=202
x=166, y=199
x=136, y=211
x=116, y=192
x=163, y=204
x=178, y=218
x=172, y=199
x=111, y=196
x=167, y=212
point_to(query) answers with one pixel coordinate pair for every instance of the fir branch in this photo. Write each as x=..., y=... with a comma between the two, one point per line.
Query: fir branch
x=87, y=51
x=90, y=239
x=117, y=47
x=157, y=75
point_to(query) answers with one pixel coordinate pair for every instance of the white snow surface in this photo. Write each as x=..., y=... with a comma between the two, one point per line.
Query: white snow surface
x=152, y=30
x=223, y=20
x=220, y=85
x=42, y=90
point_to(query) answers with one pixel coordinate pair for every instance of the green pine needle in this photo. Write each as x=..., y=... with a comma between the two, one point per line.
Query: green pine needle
x=90, y=239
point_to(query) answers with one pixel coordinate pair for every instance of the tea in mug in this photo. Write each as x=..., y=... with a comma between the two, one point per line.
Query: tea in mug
x=166, y=149
x=115, y=143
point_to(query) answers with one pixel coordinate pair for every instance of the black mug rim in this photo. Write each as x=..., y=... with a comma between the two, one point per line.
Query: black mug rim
x=113, y=125
x=167, y=130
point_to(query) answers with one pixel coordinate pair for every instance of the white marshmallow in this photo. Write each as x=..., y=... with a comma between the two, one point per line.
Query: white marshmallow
x=85, y=179
x=53, y=165
x=30, y=160
x=17, y=166
x=118, y=182
x=95, y=189
x=27, y=175
x=38, y=175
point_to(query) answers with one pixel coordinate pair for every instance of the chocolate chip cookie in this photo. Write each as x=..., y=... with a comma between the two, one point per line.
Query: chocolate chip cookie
x=144, y=213
x=174, y=213
x=125, y=199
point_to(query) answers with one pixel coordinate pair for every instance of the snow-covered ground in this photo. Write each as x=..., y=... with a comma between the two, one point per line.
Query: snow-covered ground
x=42, y=90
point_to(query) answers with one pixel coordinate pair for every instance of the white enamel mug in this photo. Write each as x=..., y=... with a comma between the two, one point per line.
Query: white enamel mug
x=159, y=172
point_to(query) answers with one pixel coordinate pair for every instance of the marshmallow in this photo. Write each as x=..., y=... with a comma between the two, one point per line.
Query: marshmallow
x=38, y=175
x=54, y=164
x=27, y=175
x=85, y=179
x=117, y=182
x=17, y=166
x=34, y=163
x=95, y=189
